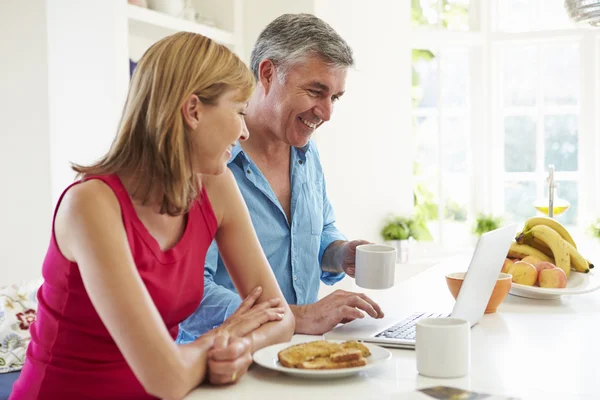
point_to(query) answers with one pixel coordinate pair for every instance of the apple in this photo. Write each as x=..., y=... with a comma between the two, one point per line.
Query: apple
x=553, y=278
x=533, y=260
x=508, y=262
x=523, y=273
x=544, y=265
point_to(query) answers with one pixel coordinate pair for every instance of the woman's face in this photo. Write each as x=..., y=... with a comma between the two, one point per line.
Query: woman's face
x=217, y=129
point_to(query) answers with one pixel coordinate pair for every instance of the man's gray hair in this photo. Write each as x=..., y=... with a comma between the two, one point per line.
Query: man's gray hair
x=291, y=38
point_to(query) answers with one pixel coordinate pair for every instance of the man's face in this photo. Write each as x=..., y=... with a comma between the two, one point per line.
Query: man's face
x=305, y=100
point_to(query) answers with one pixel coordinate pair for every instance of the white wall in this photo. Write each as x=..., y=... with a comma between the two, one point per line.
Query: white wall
x=88, y=78
x=25, y=203
x=367, y=148
x=63, y=81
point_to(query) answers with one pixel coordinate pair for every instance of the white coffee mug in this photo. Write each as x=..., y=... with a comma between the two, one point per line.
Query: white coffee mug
x=375, y=266
x=443, y=347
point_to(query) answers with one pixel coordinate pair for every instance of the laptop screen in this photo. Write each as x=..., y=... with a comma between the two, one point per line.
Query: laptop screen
x=480, y=279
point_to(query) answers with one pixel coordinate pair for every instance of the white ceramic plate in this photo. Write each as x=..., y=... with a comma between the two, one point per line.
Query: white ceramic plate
x=578, y=283
x=267, y=357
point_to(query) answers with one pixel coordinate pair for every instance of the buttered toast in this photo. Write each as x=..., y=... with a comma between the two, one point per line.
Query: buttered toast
x=322, y=354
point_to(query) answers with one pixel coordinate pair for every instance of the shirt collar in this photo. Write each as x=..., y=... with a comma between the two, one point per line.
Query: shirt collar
x=235, y=152
x=300, y=151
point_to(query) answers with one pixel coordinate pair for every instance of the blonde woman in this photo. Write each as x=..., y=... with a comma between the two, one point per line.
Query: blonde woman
x=125, y=261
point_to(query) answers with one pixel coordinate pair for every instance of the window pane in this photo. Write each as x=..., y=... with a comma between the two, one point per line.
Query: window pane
x=516, y=15
x=561, y=142
x=519, y=144
x=561, y=74
x=424, y=12
x=520, y=76
x=455, y=77
x=455, y=140
x=455, y=15
x=427, y=146
x=424, y=78
x=457, y=196
x=519, y=198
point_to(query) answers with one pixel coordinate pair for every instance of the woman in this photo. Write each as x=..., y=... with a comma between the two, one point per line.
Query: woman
x=125, y=262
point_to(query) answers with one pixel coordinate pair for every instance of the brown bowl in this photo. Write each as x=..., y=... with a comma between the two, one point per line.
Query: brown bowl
x=501, y=289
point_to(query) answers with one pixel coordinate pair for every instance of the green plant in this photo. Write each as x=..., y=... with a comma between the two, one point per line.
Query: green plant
x=403, y=228
x=455, y=211
x=594, y=229
x=485, y=223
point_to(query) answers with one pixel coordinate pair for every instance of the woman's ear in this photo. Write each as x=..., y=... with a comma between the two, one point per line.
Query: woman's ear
x=192, y=111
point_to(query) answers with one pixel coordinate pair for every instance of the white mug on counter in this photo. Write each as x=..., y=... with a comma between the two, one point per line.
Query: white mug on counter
x=375, y=266
x=443, y=347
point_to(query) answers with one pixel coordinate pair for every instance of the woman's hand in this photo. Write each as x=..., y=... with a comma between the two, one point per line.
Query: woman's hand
x=229, y=359
x=250, y=316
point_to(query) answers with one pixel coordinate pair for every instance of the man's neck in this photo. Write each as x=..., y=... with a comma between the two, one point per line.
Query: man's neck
x=263, y=144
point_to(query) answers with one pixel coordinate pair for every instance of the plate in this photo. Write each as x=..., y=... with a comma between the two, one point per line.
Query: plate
x=578, y=283
x=267, y=357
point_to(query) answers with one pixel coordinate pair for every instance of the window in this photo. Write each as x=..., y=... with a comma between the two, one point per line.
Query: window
x=441, y=120
x=539, y=112
x=502, y=89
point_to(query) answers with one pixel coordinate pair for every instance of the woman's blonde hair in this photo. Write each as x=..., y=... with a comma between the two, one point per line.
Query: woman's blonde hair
x=152, y=142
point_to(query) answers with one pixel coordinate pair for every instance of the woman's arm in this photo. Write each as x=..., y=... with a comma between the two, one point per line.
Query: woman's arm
x=89, y=231
x=244, y=257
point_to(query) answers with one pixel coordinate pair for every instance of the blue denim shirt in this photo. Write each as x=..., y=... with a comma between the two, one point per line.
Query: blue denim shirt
x=293, y=251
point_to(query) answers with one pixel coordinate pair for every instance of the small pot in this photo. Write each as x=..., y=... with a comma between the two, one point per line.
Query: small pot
x=402, y=250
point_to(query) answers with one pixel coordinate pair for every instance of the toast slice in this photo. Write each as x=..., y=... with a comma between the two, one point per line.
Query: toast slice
x=346, y=355
x=294, y=356
x=327, y=363
x=352, y=344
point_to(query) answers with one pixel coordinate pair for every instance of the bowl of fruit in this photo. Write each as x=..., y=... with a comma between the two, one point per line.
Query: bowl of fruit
x=545, y=264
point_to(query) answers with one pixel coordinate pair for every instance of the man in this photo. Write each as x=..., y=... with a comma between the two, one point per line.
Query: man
x=300, y=64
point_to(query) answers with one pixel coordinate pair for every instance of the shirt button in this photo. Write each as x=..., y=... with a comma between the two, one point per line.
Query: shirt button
x=300, y=162
x=248, y=171
x=295, y=277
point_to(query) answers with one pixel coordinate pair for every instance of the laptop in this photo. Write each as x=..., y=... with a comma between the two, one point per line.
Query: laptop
x=480, y=279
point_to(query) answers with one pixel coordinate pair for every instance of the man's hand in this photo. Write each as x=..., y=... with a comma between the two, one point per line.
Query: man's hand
x=349, y=256
x=339, y=307
x=229, y=359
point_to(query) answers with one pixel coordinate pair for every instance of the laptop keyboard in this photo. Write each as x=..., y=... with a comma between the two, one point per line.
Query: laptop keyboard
x=405, y=329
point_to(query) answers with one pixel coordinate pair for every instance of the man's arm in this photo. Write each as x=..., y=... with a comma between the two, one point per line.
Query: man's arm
x=332, y=241
x=332, y=257
x=336, y=255
x=218, y=302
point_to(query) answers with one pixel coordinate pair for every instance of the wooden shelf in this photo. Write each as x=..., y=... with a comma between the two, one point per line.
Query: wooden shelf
x=155, y=26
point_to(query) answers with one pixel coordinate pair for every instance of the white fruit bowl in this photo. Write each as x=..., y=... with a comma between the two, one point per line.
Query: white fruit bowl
x=578, y=283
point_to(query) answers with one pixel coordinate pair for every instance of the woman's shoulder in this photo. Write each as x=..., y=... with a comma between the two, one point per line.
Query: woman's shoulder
x=89, y=195
x=220, y=190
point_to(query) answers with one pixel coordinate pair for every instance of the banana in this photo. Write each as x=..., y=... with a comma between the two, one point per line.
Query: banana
x=536, y=243
x=590, y=264
x=552, y=223
x=577, y=261
x=521, y=251
x=555, y=242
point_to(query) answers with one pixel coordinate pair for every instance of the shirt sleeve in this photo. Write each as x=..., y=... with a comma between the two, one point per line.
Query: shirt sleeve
x=218, y=302
x=330, y=234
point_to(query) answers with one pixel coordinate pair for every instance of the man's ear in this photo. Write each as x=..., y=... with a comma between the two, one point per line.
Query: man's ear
x=192, y=111
x=266, y=74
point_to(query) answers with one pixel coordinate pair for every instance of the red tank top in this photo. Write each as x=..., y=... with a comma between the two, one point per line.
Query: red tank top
x=71, y=354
